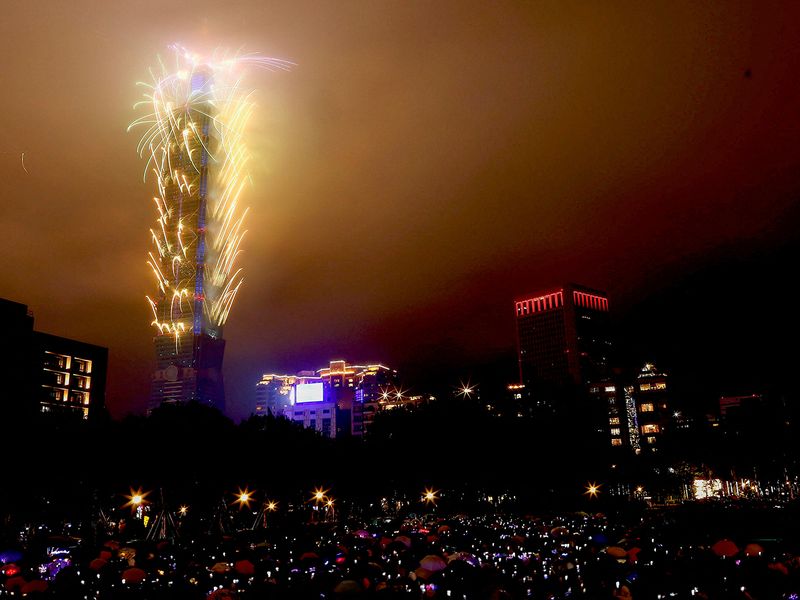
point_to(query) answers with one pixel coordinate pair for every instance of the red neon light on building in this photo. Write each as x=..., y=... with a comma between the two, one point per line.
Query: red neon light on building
x=592, y=301
x=540, y=303
x=553, y=300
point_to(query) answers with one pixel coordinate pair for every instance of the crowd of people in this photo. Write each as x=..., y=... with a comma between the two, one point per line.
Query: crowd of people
x=647, y=555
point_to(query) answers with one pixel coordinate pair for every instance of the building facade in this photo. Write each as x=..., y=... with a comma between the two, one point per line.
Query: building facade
x=563, y=343
x=339, y=400
x=72, y=375
x=50, y=374
x=639, y=408
x=188, y=344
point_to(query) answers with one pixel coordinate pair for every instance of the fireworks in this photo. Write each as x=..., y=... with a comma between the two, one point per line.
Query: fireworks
x=194, y=145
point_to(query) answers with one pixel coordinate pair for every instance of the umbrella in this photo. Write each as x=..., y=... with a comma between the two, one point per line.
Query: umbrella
x=221, y=594
x=348, y=586
x=14, y=583
x=244, y=567
x=221, y=567
x=9, y=570
x=616, y=552
x=309, y=556
x=422, y=573
x=363, y=533
x=133, y=575
x=37, y=585
x=725, y=548
x=779, y=567
x=97, y=564
x=433, y=563
x=633, y=554
x=105, y=555
x=753, y=550
x=466, y=557
x=403, y=539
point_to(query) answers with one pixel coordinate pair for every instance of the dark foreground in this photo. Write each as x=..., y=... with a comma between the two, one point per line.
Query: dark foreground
x=692, y=551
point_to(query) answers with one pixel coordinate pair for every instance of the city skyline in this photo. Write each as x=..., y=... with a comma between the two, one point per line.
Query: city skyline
x=420, y=169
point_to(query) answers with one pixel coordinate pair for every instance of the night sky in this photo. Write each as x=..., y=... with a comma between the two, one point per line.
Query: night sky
x=424, y=164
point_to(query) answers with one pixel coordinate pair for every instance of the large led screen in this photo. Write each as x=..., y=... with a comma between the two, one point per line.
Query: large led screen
x=308, y=392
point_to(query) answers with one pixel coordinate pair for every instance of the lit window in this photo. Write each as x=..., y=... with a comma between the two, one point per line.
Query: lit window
x=661, y=385
x=616, y=442
x=615, y=431
x=646, y=407
x=645, y=386
x=594, y=390
x=651, y=439
x=610, y=388
x=613, y=421
x=650, y=428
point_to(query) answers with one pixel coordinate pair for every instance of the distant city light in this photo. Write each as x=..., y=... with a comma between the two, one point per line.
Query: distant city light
x=466, y=390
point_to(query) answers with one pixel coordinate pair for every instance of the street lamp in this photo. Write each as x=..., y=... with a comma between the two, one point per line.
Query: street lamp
x=244, y=497
x=136, y=499
x=430, y=496
x=592, y=490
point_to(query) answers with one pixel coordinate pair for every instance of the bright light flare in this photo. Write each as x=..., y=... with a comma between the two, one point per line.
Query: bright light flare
x=319, y=495
x=466, y=390
x=592, y=490
x=430, y=496
x=183, y=510
x=243, y=498
x=136, y=499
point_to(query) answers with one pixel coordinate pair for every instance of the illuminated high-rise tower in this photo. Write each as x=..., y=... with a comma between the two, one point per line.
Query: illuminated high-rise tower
x=194, y=145
x=563, y=336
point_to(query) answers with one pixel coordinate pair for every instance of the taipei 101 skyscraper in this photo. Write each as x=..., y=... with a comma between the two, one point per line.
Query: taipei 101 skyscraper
x=195, y=150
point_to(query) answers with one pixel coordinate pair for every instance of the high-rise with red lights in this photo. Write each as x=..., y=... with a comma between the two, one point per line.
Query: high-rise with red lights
x=562, y=337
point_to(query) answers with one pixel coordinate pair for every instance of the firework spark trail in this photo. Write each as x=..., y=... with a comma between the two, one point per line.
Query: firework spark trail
x=193, y=143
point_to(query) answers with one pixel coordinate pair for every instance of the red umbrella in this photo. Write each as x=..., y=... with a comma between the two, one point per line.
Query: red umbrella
x=134, y=575
x=725, y=548
x=37, y=585
x=244, y=567
x=97, y=564
x=105, y=555
x=403, y=539
x=753, y=550
x=221, y=567
x=14, y=583
x=221, y=594
x=779, y=567
x=616, y=552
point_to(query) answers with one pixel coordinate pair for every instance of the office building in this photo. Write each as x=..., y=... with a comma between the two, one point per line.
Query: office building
x=563, y=339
